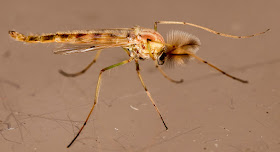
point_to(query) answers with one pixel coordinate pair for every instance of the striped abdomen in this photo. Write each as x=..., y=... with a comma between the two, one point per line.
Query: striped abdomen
x=97, y=37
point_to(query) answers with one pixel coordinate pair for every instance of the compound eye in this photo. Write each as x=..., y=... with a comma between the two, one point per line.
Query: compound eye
x=161, y=58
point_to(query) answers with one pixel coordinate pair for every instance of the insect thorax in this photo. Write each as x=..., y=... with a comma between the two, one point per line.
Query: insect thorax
x=149, y=43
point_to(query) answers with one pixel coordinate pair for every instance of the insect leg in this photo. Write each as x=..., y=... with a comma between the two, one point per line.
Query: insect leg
x=207, y=29
x=166, y=76
x=218, y=69
x=159, y=68
x=127, y=52
x=97, y=94
x=148, y=93
x=84, y=70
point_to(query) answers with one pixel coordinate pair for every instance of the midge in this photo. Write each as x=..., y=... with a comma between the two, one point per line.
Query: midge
x=139, y=43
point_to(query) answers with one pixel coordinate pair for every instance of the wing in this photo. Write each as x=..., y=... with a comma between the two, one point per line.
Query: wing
x=84, y=41
x=66, y=48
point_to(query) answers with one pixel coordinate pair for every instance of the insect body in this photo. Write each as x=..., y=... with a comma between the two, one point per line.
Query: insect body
x=133, y=39
x=139, y=43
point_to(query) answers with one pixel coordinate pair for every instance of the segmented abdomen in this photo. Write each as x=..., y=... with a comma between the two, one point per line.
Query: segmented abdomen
x=97, y=37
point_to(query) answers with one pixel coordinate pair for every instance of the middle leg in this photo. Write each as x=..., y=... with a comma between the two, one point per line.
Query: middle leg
x=97, y=94
x=148, y=93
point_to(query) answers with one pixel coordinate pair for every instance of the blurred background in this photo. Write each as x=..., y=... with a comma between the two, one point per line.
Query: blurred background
x=41, y=110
